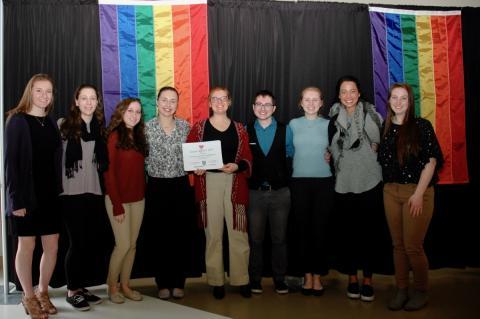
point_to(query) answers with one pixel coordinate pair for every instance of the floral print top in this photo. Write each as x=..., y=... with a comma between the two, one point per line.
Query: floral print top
x=165, y=158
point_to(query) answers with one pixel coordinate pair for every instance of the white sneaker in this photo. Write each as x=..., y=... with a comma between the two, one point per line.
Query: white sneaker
x=164, y=294
x=178, y=293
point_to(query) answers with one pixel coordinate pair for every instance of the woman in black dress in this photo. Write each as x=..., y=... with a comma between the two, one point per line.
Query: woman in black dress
x=33, y=182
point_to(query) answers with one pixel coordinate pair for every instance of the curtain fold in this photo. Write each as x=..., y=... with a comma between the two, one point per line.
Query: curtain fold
x=284, y=47
x=60, y=38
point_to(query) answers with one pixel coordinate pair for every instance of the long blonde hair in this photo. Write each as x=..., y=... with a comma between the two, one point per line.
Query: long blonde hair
x=25, y=104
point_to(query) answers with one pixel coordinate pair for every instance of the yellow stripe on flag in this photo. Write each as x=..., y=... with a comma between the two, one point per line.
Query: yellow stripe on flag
x=163, y=46
x=426, y=69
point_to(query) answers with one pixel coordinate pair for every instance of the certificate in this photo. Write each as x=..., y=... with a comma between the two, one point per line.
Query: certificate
x=202, y=155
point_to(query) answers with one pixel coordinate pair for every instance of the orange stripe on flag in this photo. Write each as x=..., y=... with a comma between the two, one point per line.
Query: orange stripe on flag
x=200, y=83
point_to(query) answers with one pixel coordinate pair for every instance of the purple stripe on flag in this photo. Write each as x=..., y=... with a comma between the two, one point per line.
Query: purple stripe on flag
x=110, y=64
x=380, y=66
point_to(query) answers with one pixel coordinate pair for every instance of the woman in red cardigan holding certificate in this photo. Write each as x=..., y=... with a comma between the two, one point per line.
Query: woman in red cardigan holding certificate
x=223, y=195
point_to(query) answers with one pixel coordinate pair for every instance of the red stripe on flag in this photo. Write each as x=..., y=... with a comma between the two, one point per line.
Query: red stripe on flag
x=457, y=100
x=182, y=59
x=200, y=81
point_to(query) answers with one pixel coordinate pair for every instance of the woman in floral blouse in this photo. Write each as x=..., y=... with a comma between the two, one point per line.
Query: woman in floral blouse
x=410, y=157
x=169, y=196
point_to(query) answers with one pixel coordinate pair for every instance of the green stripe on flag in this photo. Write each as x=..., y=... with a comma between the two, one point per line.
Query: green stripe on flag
x=410, y=56
x=146, y=59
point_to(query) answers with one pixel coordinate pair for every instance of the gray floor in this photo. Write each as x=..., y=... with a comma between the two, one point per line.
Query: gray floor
x=454, y=294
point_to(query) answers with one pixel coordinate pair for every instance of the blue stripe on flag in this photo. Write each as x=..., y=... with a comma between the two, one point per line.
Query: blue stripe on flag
x=128, y=51
x=394, y=48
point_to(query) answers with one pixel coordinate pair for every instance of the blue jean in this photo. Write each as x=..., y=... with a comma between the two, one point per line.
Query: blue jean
x=274, y=206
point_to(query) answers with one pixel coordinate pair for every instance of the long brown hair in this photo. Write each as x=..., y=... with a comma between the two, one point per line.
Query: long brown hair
x=136, y=140
x=25, y=103
x=71, y=127
x=408, y=137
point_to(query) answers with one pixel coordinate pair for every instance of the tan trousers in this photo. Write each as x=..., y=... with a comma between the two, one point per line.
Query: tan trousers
x=220, y=208
x=408, y=233
x=126, y=234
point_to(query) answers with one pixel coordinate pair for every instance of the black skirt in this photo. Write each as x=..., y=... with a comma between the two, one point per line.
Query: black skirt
x=44, y=220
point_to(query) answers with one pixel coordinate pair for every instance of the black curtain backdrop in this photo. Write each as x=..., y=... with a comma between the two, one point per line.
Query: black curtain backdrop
x=252, y=45
x=57, y=37
x=284, y=47
x=62, y=39
x=469, y=225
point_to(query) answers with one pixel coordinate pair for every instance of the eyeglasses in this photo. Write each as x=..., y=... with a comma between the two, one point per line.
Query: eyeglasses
x=167, y=101
x=266, y=106
x=221, y=99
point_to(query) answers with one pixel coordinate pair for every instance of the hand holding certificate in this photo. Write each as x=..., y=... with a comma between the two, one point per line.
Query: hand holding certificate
x=202, y=155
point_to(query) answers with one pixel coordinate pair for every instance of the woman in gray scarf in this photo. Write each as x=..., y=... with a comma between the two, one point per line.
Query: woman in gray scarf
x=354, y=133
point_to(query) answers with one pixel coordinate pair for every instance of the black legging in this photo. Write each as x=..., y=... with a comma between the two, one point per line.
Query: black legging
x=312, y=202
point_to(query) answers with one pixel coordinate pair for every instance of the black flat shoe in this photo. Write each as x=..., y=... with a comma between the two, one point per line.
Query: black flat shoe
x=219, y=292
x=245, y=291
x=318, y=292
x=307, y=291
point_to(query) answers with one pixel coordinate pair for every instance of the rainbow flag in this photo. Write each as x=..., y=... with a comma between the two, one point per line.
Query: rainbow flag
x=146, y=45
x=424, y=49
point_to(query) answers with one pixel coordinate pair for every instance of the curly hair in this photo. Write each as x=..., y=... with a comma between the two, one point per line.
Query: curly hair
x=126, y=140
x=25, y=104
x=71, y=127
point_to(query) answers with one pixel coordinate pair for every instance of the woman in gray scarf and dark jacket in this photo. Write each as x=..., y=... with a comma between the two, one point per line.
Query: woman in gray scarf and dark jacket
x=354, y=133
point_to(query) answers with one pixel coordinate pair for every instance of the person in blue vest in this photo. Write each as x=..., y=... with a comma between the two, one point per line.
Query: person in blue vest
x=271, y=145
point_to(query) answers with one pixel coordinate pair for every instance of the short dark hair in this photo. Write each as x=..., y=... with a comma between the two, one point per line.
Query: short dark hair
x=265, y=93
x=347, y=78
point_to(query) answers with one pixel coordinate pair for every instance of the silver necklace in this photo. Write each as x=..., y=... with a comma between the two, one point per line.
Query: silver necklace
x=42, y=122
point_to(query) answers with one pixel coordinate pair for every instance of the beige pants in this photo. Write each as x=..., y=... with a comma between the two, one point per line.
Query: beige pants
x=126, y=233
x=220, y=208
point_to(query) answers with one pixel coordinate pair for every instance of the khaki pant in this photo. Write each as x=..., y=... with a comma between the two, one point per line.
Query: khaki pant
x=220, y=208
x=126, y=234
x=408, y=233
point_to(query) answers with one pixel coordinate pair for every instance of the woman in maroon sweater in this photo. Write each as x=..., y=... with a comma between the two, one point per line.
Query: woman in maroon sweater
x=125, y=188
